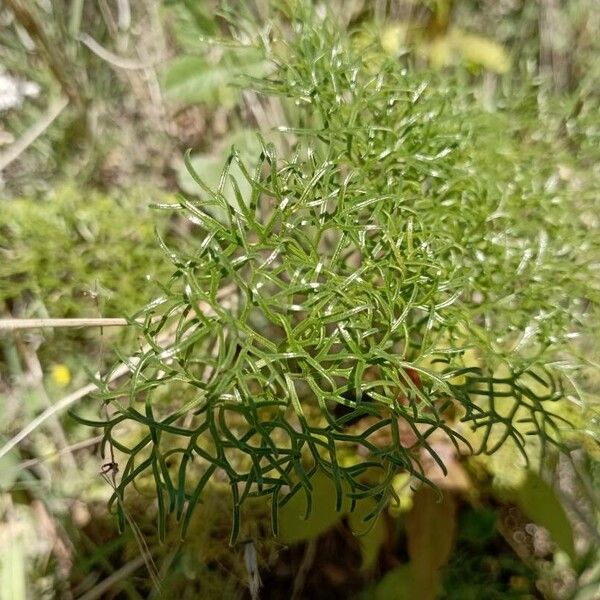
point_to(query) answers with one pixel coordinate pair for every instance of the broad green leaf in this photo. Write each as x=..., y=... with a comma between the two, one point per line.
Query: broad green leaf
x=194, y=80
x=538, y=501
x=210, y=167
x=480, y=51
x=293, y=527
x=457, y=45
x=190, y=22
x=370, y=534
x=444, y=49
x=506, y=464
x=430, y=530
x=397, y=584
x=440, y=52
x=207, y=166
x=393, y=38
x=13, y=583
x=588, y=592
x=404, y=493
x=9, y=467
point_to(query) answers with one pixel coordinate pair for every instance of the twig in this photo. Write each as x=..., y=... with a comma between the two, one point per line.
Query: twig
x=251, y=562
x=123, y=573
x=33, y=133
x=16, y=324
x=32, y=462
x=305, y=566
x=584, y=519
x=124, y=14
x=115, y=60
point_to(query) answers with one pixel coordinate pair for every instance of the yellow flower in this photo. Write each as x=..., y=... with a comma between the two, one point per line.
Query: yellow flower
x=61, y=375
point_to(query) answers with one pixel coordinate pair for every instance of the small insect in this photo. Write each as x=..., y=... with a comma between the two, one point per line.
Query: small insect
x=110, y=467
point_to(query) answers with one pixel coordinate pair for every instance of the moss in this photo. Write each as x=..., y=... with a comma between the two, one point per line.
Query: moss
x=78, y=253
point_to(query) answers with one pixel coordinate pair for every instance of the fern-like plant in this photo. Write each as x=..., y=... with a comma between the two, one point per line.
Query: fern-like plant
x=375, y=290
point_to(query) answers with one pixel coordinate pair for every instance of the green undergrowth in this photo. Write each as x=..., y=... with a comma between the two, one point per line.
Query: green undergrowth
x=78, y=252
x=75, y=252
x=406, y=275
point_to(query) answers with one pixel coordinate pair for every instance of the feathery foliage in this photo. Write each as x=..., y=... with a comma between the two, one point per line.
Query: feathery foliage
x=328, y=314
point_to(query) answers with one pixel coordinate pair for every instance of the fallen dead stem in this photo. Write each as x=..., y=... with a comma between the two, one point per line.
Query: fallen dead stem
x=17, y=324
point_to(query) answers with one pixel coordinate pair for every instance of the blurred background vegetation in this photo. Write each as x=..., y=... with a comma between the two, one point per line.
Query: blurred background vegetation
x=98, y=102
